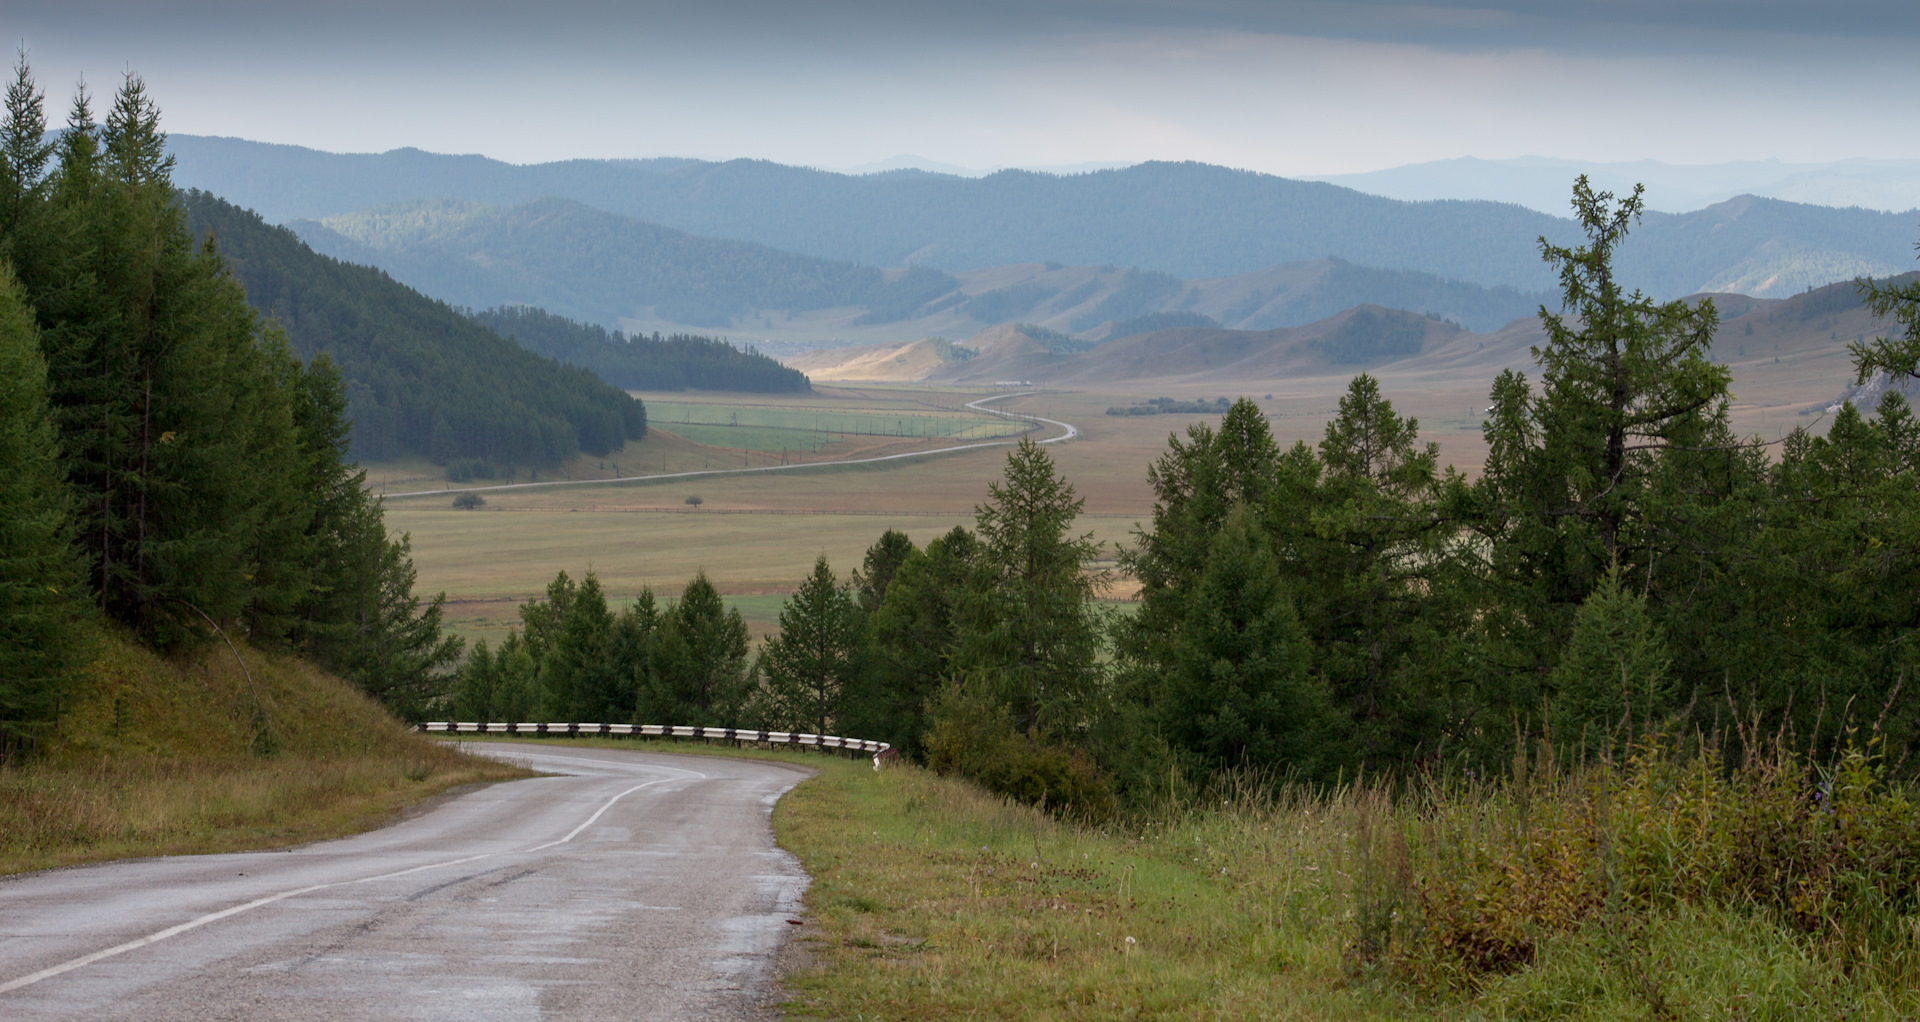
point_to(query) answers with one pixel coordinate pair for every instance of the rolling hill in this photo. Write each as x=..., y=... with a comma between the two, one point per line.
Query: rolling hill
x=420, y=377
x=602, y=268
x=1187, y=220
x=1790, y=352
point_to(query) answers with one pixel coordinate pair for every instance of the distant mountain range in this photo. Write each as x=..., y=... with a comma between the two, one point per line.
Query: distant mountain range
x=1541, y=184
x=604, y=268
x=1185, y=220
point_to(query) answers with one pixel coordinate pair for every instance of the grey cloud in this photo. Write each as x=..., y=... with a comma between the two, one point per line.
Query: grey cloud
x=1657, y=24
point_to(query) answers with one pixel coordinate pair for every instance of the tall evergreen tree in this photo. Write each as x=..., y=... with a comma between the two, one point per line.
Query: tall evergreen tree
x=40, y=573
x=24, y=150
x=812, y=663
x=1613, y=683
x=207, y=466
x=580, y=673
x=1028, y=630
x=698, y=670
x=882, y=562
x=911, y=640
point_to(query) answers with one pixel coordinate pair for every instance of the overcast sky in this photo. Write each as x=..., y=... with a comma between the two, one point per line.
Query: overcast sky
x=1279, y=86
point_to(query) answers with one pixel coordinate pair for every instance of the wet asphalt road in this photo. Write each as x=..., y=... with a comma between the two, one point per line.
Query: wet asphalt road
x=637, y=886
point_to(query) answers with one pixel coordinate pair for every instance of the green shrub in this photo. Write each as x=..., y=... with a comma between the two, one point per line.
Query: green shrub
x=1478, y=879
x=973, y=736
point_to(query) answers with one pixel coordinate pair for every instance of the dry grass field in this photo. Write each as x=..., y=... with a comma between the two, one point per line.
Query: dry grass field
x=756, y=534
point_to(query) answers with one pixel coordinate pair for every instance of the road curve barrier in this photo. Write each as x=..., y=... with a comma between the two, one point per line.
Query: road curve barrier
x=738, y=736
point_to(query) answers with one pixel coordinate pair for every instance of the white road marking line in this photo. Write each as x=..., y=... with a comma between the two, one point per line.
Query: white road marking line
x=213, y=917
x=575, y=832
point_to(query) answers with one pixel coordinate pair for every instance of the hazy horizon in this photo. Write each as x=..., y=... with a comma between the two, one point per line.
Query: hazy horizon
x=1301, y=89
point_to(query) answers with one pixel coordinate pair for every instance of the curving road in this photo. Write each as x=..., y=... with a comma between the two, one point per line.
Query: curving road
x=635, y=886
x=1067, y=432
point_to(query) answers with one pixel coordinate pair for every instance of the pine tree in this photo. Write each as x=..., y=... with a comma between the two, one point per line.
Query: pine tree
x=911, y=640
x=1234, y=686
x=579, y=673
x=175, y=427
x=473, y=693
x=1625, y=378
x=1613, y=682
x=876, y=572
x=1367, y=441
x=40, y=573
x=515, y=695
x=698, y=670
x=24, y=150
x=400, y=649
x=1029, y=628
x=811, y=664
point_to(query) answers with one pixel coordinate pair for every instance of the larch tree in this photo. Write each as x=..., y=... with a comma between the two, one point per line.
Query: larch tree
x=810, y=666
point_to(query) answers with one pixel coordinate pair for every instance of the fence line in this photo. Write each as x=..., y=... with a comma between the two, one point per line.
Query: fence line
x=725, y=734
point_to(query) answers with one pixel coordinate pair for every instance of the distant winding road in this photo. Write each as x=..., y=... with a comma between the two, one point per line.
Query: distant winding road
x=635, y=886
x=1067, y=432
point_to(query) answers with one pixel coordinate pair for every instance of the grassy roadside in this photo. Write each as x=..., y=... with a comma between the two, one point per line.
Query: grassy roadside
x=170, y=757
x=932, y=899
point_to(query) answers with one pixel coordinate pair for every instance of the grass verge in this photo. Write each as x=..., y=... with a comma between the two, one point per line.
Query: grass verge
x=932, y=899
x=181, y=756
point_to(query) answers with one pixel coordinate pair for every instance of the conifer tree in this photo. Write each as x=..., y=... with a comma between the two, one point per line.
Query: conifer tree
x=812, y=663
x=876, y=572
x=1235, y=686
x=1613, y=682
x=579, y=673
x=911, y=641
x=515, y=695
x=24, y=150
x=40, y=573
x=400, y=649
x=1626, y=378
x=473, y=694
x=1029, y=630
x=698, y=668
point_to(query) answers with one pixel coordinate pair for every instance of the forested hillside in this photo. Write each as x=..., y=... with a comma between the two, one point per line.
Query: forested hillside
x=675, y=362
x=1186, y=219
x=419, y=376
x=168, y=466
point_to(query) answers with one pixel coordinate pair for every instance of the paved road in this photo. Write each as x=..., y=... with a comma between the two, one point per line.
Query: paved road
x=638, y=886
x=1068, y=432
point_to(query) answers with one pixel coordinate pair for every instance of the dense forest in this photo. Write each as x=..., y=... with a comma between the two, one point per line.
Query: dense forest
x=1190, y=220
x=420, y=377
x=640, y=362
x=1624, y=569
x=169, y=466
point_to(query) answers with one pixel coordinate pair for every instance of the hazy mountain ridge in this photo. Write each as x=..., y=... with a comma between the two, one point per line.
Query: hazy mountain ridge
x=568, y=258
x=1804, y=337
x=1540, y=183
x=603, y=268
x=1184, y=219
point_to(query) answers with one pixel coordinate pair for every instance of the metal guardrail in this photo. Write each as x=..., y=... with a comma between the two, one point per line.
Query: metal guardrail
x=723, y=734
